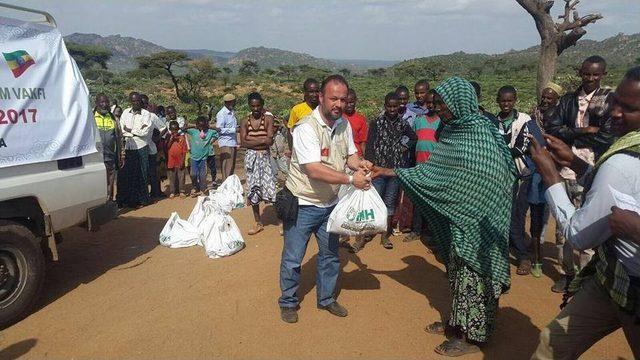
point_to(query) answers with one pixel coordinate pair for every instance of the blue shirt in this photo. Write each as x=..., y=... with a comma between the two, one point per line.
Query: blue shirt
x=228, y=124
x=417, y=109
x=409, y=116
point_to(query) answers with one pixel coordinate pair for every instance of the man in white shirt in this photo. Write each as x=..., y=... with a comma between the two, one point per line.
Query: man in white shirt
x=135, y=124
x=158, y=129
x=606, y=293
x=227, y=127
x=322, y=148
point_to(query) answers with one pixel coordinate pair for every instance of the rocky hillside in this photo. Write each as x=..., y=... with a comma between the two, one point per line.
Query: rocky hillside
x=272, y=58
x=124, y=49
x=620, y=51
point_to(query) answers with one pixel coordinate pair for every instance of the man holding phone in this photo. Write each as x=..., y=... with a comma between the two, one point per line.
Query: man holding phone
x=582, y=121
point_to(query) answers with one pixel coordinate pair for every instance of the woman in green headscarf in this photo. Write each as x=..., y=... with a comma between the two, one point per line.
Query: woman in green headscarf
x=465, y=191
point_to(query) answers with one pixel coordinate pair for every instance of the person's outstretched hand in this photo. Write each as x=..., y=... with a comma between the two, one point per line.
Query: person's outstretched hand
x=377, y=171
x=361, y=180
x=366, y=165
x=545, y=165
x=625, y=224
x=561, y=152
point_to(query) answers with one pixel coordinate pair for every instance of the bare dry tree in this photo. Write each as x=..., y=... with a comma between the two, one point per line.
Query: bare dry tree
x=555, y=37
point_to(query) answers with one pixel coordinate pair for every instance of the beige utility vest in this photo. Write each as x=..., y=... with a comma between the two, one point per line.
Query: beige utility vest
x=334, y=150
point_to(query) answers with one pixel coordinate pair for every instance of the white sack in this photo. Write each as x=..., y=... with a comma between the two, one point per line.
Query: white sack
x=198, y=213
x=178, y=233
x=221, y=236
x=358, y=212
x=230, y=194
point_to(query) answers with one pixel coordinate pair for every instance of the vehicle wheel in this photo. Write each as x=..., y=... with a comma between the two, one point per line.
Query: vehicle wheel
x=22, y=270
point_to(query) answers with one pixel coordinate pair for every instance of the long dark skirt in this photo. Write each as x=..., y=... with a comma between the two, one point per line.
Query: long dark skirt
x=475, y=302
x=133, y=178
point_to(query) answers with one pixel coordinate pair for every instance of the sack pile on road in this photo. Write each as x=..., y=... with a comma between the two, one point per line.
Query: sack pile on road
x=210, y=224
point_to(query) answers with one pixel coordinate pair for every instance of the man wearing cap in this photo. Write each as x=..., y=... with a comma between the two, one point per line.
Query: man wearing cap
x=227, y=127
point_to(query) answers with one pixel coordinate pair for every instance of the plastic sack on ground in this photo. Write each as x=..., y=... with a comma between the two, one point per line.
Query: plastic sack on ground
x=230, y=194
x=198, y=214
x=178, y=233
x=221, y=236
x=358, y=212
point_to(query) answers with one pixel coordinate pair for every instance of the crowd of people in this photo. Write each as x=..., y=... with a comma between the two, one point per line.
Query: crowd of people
x=447, y=170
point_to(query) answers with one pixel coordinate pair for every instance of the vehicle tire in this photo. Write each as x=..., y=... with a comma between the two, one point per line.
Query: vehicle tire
x=22, y=271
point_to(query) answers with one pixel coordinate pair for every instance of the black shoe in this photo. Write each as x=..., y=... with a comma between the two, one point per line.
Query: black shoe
x=562, y=284
x=289, y=315
x=335, y=308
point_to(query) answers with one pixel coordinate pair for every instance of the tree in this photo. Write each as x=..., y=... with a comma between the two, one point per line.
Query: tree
x=167, y=61
x=249, y=67
x=191, y=82
x=269, y=72
x=89, y=56
x=227, y=74
x=555, y=37
x=344, y=72
x=377, y=72
x=305, y=69
x=286, y=70
x=200, y=75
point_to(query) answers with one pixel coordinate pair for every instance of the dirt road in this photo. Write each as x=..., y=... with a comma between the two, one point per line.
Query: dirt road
x=118, y=294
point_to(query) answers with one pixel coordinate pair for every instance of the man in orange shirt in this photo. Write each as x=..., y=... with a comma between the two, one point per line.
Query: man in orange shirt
x=357, y=121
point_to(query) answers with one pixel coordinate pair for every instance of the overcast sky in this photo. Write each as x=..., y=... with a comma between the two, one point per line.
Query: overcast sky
x=338, y=29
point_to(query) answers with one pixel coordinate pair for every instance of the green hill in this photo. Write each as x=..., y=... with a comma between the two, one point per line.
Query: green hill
x=620, y=51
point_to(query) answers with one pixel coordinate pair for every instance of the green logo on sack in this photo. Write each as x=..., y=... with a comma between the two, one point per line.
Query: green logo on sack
x=366, y=215
x=354, y=215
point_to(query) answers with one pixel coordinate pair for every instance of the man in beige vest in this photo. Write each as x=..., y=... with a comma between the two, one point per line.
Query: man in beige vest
x=322, y=149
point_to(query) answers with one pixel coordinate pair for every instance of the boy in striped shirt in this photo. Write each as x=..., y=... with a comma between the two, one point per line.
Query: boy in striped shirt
x=427, y=128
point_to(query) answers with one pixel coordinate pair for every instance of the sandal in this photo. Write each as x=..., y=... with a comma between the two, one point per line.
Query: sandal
x=524, y=268
x=386, y=243
x=455, y=348
x=411, y=237
x=345, y=243
x=358, y=244
x=437, y=328
x=536, y=271
x=256, y=230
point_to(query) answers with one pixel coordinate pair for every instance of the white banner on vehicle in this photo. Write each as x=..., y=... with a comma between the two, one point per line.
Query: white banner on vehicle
x=44, y=103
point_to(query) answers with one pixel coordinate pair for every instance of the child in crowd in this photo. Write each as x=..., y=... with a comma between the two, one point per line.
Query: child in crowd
x=511, y=123
x=201, y=140
x=176, y=153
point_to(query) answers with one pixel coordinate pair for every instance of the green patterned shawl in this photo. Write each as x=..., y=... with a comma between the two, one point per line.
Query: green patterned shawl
x=465, y=189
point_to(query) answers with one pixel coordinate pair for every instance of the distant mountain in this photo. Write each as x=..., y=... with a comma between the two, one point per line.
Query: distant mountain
x=219, y=57
x=362, y=64
x=124, y=49
x=272, y=58
x=619, y=50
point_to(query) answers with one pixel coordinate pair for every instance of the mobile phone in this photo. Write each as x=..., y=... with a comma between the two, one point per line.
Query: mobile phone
x=535, y=130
